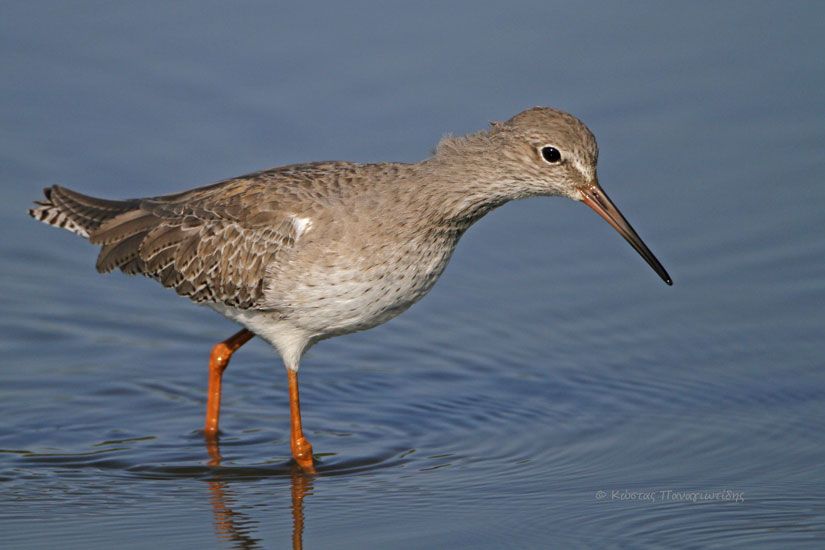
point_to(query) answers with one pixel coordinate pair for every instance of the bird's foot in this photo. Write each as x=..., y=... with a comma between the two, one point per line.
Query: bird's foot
x=302, y=453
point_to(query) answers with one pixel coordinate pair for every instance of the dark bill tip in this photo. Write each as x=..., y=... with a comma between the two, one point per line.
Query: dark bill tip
x=596, y=199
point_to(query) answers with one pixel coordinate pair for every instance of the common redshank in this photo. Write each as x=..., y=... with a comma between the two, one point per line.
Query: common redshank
x=304, y=252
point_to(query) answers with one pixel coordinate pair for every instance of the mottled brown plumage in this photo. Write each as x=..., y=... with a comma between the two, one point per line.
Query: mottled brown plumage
x=212, y=244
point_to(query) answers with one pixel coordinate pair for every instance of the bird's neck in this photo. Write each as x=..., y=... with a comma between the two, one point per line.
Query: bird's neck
x=458, y=195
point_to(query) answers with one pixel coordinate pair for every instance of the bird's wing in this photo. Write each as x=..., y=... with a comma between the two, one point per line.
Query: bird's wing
x=211, y=244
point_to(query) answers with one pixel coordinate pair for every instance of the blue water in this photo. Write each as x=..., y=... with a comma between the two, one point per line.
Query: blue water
x=550, y=391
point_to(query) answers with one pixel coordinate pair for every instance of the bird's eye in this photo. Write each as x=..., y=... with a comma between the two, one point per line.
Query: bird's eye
x=551, y=154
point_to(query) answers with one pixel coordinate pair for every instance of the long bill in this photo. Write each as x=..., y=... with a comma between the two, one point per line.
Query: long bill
x=596, y=199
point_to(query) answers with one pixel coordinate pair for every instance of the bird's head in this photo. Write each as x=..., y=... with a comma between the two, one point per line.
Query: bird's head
x=544, y=151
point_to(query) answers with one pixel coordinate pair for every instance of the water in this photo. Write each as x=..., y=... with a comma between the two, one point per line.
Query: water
x=550, y=391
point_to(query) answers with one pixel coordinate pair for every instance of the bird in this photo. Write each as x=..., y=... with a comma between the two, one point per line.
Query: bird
x=304, y=252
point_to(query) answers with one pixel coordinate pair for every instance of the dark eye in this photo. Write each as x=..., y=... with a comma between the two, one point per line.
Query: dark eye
x=551, y=154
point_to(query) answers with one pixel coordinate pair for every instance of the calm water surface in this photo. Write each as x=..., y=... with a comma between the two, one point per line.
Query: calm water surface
x=550, y=391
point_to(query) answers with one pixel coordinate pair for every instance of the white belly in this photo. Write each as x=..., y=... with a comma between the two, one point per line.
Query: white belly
x=353, y=294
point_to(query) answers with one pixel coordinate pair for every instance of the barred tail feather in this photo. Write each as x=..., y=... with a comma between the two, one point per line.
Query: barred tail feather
x=76, y=212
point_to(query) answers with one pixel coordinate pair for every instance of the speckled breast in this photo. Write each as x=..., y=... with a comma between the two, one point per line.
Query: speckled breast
x=337, y=284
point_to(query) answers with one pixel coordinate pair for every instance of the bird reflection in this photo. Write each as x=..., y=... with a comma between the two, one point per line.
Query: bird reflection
x=237, y=527
x=301, y=485
x=230, y=525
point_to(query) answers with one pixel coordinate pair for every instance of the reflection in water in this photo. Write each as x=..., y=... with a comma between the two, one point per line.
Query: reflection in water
x=230, y=525
x=301, y=485
x=237, y=526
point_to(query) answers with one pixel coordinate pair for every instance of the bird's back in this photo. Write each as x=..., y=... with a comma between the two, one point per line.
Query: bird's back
x=211, y=244
x=285, y=239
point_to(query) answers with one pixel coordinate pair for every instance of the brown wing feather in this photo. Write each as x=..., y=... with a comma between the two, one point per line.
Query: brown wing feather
x=123, y=226
x=210, y=244
x=119, y=253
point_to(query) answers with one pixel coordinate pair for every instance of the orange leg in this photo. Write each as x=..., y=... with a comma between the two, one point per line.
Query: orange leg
x=218, y=361
x=301, y=449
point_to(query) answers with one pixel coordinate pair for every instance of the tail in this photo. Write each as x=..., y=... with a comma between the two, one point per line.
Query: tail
x=75, y=212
